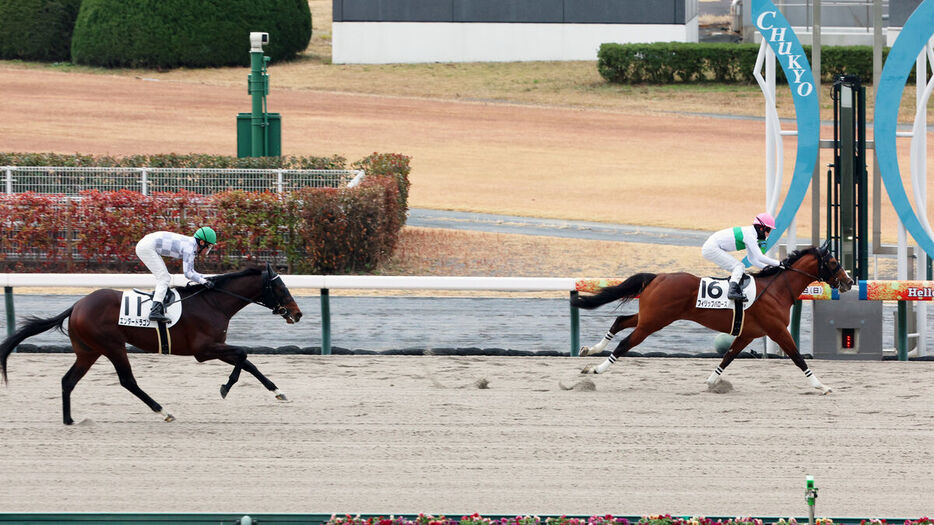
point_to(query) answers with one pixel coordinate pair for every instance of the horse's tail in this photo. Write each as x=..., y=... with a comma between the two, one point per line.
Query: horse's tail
x=626, y=291
x=32, y=326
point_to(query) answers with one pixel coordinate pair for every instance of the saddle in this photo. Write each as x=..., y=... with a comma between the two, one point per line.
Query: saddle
x=712, y=294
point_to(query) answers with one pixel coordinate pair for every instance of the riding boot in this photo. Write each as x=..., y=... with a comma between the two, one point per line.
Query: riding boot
x=735, y=293
x=157, y=313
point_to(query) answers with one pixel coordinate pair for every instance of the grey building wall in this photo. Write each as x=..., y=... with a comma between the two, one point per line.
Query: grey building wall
x=517, y=11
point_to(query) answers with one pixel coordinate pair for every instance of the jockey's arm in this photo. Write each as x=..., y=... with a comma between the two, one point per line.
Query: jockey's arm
x=188, y=267
x=757, y=258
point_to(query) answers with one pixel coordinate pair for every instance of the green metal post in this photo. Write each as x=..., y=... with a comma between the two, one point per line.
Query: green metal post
x=810, y=494
x=325, y=322
x=258, y=88
x=796, y=323
x=902, y=331
x=575, y=327
x=10, y=314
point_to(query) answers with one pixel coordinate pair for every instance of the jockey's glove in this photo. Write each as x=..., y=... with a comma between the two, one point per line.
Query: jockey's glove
x=209, y=284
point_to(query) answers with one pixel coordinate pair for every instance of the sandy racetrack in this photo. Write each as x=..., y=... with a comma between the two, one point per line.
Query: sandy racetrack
x=414, y=434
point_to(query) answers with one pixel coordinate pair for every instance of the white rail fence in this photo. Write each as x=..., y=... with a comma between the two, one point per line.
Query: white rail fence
x=324, y=283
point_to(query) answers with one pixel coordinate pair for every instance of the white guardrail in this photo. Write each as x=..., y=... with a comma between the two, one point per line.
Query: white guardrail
x=372, y=282
x=324, y=283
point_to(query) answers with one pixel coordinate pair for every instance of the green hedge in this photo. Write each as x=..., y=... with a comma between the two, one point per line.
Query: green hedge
x=37, y=29
x=671, y=62
x=165, y=34
x=174, y=160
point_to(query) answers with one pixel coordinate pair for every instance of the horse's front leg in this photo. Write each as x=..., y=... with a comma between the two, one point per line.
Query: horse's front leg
x=738, y=345
x=236, y=356
x=622, y=322
x=787, y=344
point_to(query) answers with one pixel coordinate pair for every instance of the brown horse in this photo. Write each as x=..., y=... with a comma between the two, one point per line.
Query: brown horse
x=664, y=298
x=200, y=332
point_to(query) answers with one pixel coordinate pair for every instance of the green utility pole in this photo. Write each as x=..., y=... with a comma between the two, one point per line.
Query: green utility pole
x=258, y=132
x=810, y=494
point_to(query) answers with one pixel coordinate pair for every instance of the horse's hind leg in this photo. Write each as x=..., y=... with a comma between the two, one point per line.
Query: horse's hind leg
x=621, y=322
x=122, y=365
x=634, y=338
x=738, y=344
x=74, y=374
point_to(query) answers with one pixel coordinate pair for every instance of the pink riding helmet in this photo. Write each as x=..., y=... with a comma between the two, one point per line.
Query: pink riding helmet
x=765, y=219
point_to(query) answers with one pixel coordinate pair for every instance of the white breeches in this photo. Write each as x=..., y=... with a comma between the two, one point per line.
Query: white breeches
x=723, y=259
x=147, y=253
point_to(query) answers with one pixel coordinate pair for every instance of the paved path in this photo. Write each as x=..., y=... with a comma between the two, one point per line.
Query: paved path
x=599, y=231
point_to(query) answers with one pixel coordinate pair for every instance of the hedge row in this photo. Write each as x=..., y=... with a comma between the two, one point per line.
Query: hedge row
x=309, y=230
x=175, y=160
x=161, y=34
x=181, y=33
x=37, y=29
x=671, y=62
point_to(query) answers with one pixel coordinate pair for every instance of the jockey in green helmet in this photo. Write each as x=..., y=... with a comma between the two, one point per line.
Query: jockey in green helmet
x=153, y=247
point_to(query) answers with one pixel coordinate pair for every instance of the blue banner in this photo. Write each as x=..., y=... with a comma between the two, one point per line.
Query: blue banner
x=911, y=41
x=778, y=34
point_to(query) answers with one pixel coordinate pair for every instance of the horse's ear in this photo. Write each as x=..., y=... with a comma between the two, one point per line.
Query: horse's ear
x=269, y=271
x=825, y=245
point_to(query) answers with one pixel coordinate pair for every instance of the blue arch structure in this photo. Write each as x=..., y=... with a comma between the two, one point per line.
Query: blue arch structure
x=912, y=39
x=776, y=30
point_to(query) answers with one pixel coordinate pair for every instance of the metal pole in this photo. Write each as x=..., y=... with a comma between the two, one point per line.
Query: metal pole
x=815, y=176
x=810, y=494
x=796, y=323
x=575, y=327
x=9, y=181
x=257, y=88
x=10, y=313
x=325, y=322
x=902, y=331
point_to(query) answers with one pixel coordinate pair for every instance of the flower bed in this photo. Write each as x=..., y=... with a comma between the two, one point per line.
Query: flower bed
x=607, y=519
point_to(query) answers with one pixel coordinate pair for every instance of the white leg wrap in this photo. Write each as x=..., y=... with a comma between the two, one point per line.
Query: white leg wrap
x=812, y=379
x=597, y=348
x=604, y=366
x=714, y=377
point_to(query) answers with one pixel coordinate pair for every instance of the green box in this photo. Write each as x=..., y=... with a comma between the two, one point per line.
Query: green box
x=245, y=135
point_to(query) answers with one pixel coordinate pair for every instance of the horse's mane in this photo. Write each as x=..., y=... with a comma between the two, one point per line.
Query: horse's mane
x=788, y=261
x=224, y=277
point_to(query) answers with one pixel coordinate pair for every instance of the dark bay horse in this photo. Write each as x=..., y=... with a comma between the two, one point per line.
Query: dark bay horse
x=200, y=332
x=667, y=297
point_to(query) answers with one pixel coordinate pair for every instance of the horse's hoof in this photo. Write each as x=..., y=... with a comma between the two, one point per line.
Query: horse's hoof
x=588, y=370
x=69, y=421
x=826, y=390
x=224, y=391
x=585, y=351
x=281, y=397
x=169, y=418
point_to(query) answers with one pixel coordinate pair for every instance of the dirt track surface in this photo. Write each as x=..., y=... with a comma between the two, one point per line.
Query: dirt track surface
x=416, y=434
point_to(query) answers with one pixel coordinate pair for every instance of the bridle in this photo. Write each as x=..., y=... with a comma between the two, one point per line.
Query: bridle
x=269, y=299
x=822, y=266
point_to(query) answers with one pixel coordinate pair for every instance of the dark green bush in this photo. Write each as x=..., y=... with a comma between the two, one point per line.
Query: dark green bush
x=37, y=29
x=670, y=62
x=165, y=34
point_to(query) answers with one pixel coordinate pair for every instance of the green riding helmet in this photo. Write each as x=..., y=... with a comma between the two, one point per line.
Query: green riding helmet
x=206, y=234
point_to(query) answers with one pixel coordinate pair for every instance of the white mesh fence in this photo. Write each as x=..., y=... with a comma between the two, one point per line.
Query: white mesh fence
x=69, y=181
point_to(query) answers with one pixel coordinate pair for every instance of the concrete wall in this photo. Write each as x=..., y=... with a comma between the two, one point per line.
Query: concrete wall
x=393, y=31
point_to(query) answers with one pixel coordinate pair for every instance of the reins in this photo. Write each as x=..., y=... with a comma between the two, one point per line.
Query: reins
x=266, y=285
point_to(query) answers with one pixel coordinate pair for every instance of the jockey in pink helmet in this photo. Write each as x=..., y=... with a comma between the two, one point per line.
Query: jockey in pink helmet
x=752, y=239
